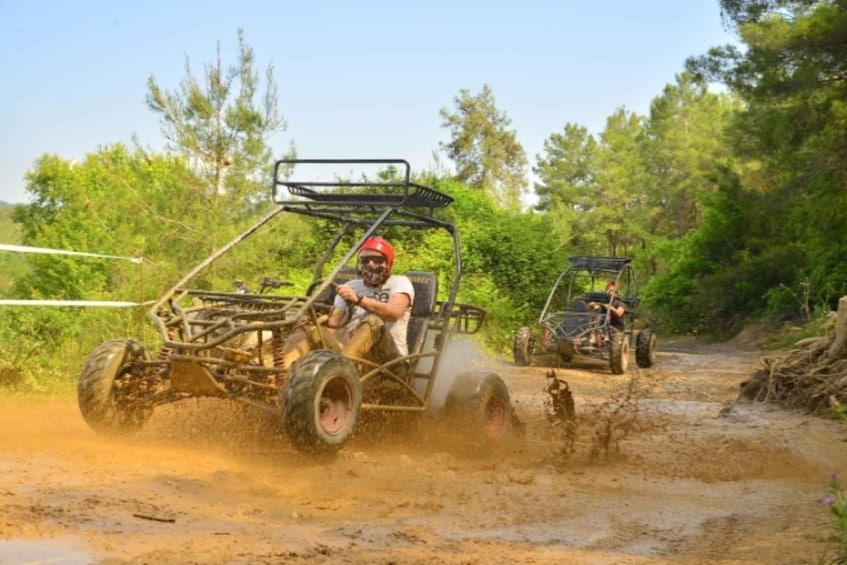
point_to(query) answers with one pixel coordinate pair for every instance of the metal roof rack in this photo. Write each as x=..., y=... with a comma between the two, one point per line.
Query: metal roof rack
x=338, y=191
x=599, y=263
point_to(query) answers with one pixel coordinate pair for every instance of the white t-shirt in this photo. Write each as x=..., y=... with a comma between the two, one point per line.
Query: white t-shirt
x=394, y=285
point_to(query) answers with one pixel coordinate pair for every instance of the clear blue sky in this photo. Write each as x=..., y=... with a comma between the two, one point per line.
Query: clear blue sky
x=356, y=79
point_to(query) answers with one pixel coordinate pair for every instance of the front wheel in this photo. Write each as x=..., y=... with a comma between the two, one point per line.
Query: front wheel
x=645, y=349
x=619, y=352
x=321, y=401
x=480, y=400
x=105, y=385
x=522, y=347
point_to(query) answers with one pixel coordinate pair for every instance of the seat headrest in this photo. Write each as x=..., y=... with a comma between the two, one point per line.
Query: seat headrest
x=426, y=292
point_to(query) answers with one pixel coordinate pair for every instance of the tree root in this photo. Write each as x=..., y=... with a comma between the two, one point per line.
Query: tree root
x=804, y=379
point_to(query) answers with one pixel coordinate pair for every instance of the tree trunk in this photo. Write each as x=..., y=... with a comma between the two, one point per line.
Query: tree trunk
x=839, y=345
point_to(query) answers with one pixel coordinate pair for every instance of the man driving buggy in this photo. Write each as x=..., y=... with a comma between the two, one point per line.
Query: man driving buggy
x=615, y=306
x=382, y=305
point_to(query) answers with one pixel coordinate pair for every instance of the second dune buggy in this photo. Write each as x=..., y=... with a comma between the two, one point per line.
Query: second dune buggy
x=567, y=327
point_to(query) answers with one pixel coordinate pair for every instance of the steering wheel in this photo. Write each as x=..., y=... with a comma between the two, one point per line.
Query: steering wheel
x=331, y=289
x=348, y=315
x=311, y=290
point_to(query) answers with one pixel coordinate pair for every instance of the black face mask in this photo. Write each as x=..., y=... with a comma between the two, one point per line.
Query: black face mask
x=373, y=270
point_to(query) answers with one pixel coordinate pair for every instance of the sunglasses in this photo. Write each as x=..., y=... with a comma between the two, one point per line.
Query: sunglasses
x=375, y=259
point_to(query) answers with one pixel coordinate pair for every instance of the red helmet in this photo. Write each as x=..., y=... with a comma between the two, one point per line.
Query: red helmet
x=380, y=245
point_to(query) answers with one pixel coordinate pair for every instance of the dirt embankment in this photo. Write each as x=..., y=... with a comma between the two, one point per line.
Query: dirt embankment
x=674, y=481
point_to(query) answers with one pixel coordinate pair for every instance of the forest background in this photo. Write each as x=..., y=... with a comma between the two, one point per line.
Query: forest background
x=729, y=196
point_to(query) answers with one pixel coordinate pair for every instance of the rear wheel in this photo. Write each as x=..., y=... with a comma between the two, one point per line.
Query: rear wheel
x=645, y=349
x=522, y=347
x=480, y=401
x=619, y=352
x=105, y=384
x=321, y=402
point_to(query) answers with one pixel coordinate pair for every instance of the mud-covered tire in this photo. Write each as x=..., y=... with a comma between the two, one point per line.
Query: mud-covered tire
x=98, y=393
x=479, y=402
x=522, y=347
x=321, y=401
x=619, y=352
x=645, y=349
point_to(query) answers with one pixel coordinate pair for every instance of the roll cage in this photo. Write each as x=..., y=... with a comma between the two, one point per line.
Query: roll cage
x=196, y=325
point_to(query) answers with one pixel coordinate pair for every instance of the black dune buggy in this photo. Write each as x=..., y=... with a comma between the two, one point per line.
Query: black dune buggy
x=569, y=326
x=230, y=344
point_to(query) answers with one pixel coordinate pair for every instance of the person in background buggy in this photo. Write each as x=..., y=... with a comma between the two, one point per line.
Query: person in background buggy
x=615, y=306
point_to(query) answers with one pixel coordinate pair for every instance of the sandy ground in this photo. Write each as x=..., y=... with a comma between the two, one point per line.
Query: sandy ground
x=207, y=482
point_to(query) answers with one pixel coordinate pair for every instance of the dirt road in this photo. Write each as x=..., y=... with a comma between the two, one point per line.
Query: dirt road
x=209, y=483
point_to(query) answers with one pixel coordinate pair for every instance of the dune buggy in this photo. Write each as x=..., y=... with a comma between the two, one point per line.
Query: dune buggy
x=568, y=325
x=229, y=344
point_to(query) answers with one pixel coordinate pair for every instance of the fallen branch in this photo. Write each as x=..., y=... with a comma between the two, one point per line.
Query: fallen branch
x=154, y=518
